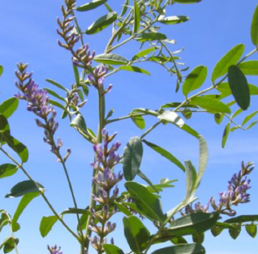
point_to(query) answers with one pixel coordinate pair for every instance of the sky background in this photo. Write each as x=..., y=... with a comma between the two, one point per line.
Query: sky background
x=28, y=34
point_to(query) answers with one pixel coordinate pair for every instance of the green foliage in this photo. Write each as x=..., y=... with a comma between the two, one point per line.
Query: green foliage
x=91, y=5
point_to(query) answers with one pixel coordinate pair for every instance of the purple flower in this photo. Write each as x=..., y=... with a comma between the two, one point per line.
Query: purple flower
x=54, y=250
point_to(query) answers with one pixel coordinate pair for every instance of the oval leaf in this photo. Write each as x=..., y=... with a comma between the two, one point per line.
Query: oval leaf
x=91, y=5
x=23, y=188
x=146, y=202
x=8, y=107
x=139, y=121
x=254, y=28
x=56, y=84
x=251, y=230
x=110, y=59
x=79, y=123
x=102, y=23
x=143, y=53
x=151, y=37
x=193, y=248
x=112, y=249
x=239, y=87
x=195, y=79
x=134, y=69
x=173, y=20
x=225, y=135
x=165, y=154
x=1, y=70
x=46, y=224
x=7, y=170
x=210, y=105
x=136, y=234
x=132, y=158
x=249, y=67
x=231, y=57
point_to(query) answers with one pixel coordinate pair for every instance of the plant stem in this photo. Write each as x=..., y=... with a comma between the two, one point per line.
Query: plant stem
x=42, y=194
x=150, y=129
x=15, y=245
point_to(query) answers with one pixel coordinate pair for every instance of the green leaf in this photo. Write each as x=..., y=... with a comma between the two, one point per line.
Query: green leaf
x=239, y=87
x=8, y=107
x=112, y=249
x=143, y=53
x=76, y=211
x=249, y=117
x=198, y=238
x=4, y=126
x=102, y=23
x=17, y=146
x=254, y=28
x=243, y=218
x=125, y=7
x=195, y=79
x=111, y=58
x=123, y=209
x=79, y=122
x=136, y=234
x=4, y=220
x=195, y=223
x=164, y=183
x=132, y=158
x=151, y=37
x=172, y=117
x=1, y=70
x=76, y=75
x=211, y=105
x=134, y=69
x=225, y=135
x=172, y=20
x=91, y=5
x=234, y=232
x=218, y=118
x=251, y=125
x=9, y=244
x=237, y=113
x=56, y=84
x=137, y=17
x=54, y=94
x=249, y=67
x=193, y=248
x=148, y=181
x=46, y=224
x=26, y=199
x=57, y=104
x=216, y=230
x=7, y=170
x=139, y=121
x=23, y=188
x=251, y=230
x=191, y=131
x=146, y=202
x=108, y=8
x=165, y=154
x=231, y=58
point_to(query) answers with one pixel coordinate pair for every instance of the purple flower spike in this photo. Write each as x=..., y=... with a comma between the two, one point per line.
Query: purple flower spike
x=54, y=250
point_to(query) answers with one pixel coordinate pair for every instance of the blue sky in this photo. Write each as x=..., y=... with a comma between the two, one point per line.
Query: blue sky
x=28, y=34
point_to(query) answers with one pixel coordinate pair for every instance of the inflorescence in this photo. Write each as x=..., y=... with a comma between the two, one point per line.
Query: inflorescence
x=54, y=250
x=236, y=194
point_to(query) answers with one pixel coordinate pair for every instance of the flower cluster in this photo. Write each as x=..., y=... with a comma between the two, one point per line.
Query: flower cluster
x=236, y=194
x=54, y=250
x=105, y=180
x=82, y=57
x=38, y=103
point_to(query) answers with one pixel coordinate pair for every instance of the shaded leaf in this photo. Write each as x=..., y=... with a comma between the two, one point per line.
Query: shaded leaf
x=225, y=135
x=102, y=23
x=56, y=84
x=125, y=7
x=8, y=107
x=132, y=158
x=218, y=118
x=123, y=209
x=137, y=17
x=198, y=238
x=46, y=224
x=148, y=181
x=234, y=232
x=151, y=37
x=193, y=248
x=23, y=188
x=54, y=94
x=165, y=154
x=110, y=59
x=91, y=5
x=7, y=170
x=242, y=218
x=239, y=87
x=195, y=79
x=79, y=123
x=76, y=211
x=9, y=244
x=134, y=69
x=146, y=202
x=231, y=57
x=172, y=20
x=137, y=235
x=254, y=28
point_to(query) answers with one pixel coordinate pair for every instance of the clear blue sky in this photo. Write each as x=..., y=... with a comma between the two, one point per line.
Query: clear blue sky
x=28, y=34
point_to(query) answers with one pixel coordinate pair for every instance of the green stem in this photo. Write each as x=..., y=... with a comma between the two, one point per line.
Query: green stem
x=42, y=194
x=15, y=245
x=150, y=129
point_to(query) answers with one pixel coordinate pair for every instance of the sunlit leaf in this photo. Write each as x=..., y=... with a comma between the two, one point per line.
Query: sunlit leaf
x=111, y=58
x=193, y=248
x=249, y=67
x=91, y=5
x=112, y=249
x=234, y=232
x=9, y=244
x=251, y=229
x=151, y=37
x=249, y=117
x=79, y=122
x=7, y=170
x=172, y=117
x=1, y=70
x=134, y=69
x=54, y=94
x=102, y=23
x=143, y=53
x=225, y=135
x=254, y=28
x=231, y=58
x=173, y=20
x=251, y=125
x=139, y=121
x=137, y=17
x=195, y=79
x=239, y=87
x=8, y=107
x=46, y=224
x=56, y=84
